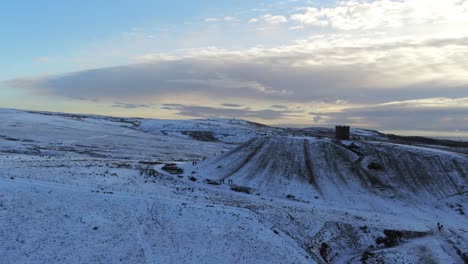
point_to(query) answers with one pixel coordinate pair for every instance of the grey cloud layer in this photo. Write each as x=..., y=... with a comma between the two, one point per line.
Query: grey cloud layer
x=249, y=79
x=409, y=116
x=129, y=106
x=300, y=73
x=211, y=112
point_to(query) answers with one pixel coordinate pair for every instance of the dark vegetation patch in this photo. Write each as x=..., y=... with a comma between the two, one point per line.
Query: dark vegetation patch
x=201, y=135
x=354, y=147
x=364, y=229
x=151, y=163
x=365, y=256
x=294, y=198
x=334, y=237
x=84, y=146
x=192, y=178
x=462, y=255
x=172, y=168
x=90, y=153
x=326, y=252
x=9, y=138
x=256, y=124
x=375, y=166
x=243, y=189
x=16, y=139
x=122, y=165
x=148, y=172
x=212, y=182
x=392, y=238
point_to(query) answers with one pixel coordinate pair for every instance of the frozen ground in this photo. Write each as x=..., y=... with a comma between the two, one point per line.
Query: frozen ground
x=92, y=189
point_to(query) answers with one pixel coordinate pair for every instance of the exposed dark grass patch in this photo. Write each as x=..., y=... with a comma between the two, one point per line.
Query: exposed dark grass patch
x=243, y=189
x=375, y=166
x=151, y=163
x=201, y=135
x=172, y=168
x=212, y=182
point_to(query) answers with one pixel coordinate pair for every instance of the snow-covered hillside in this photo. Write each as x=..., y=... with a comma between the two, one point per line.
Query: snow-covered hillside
x=233, y=131
x=93, y=136
x=94, y=189
x=335, y=170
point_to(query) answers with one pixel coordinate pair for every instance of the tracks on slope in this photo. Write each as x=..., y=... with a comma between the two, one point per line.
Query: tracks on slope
x=246, y=160
x=309, y=165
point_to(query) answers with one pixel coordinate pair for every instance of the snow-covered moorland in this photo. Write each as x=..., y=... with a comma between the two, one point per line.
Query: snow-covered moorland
x=94, y=189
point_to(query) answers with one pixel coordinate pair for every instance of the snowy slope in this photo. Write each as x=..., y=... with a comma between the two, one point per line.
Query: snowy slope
x=51, y=223
x=310, y=167
x=94, y=189
x=233, y=131
x=83, y=135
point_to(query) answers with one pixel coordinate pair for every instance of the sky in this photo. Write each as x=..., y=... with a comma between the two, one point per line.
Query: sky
x=390, y=65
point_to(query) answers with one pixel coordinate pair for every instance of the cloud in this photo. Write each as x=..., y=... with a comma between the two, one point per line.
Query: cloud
x=434, y=114
x=42, y=59
x=358, y=15
x=216, y=112
x=323, y=68
x=268, y=21
x=280, y=106
x=232, y=105
x=129, y=106
x=297, y=27
x=274, y=20
x=224, y=82
x=217, y=19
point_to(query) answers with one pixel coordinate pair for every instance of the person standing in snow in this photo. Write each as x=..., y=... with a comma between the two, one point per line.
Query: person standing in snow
x=440, y=226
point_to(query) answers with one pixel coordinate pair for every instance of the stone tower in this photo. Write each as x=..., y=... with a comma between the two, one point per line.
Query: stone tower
x=342, y=132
